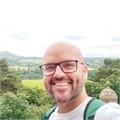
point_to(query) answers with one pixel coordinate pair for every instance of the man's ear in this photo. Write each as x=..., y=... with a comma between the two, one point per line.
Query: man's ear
x=85, y=72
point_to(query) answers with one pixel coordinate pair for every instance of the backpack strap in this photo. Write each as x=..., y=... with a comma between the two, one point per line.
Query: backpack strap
x=91, y=108
x=48, y=113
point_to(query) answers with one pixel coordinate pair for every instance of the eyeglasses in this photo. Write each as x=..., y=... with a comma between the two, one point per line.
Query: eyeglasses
x=68, y=66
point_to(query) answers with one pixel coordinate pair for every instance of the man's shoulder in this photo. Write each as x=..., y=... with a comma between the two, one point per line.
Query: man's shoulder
x=109, y=111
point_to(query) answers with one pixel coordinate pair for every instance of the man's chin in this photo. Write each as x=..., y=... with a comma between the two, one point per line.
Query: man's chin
x=62, y=99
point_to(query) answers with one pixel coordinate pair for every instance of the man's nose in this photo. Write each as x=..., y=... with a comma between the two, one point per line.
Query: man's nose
x=58, y=72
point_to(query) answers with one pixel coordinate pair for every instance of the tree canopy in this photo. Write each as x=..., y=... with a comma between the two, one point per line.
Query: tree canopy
x=110, y=71
x=9, y=79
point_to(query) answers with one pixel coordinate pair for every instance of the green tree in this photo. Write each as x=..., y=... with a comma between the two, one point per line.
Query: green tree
x=94, y=88
x=9, y=79
x=110, y=71
x=111, y=66
x=38, y=97
x=14, y=107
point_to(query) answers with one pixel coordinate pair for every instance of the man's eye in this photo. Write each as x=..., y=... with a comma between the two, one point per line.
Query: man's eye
x=49, y=68
x=68, y=65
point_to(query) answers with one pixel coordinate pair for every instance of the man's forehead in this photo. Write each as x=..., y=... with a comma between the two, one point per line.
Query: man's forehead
x=62, y=49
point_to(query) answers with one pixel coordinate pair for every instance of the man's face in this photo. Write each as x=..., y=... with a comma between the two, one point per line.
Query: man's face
x=64, y=86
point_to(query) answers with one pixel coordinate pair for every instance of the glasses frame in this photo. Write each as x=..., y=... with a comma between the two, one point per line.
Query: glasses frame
x=56, y=64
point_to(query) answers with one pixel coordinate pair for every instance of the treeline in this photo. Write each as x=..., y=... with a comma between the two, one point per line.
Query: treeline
x=19, y=102
x=27, y=70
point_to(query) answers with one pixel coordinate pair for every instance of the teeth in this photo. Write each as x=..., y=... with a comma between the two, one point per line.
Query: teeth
x=61, y=84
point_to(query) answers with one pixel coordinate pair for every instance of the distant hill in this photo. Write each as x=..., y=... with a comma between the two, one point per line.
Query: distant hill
x=10, y=56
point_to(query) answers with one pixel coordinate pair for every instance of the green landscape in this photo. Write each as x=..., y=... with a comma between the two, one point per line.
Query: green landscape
x=22, y=93
x=33, y=83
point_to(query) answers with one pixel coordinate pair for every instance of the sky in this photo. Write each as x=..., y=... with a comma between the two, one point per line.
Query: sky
x=28, y=27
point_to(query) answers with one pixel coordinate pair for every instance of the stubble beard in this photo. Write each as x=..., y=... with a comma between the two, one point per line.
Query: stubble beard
x=73, y=93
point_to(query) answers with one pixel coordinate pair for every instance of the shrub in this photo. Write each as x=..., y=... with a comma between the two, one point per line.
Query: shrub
x=38, y=97
x=14, y=107
x=94, y=88
x=37, y=112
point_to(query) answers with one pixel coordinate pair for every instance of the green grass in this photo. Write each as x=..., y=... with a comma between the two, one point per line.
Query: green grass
x=33, y=83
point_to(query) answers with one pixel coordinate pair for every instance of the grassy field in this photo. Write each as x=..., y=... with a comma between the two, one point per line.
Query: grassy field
x=33, y=83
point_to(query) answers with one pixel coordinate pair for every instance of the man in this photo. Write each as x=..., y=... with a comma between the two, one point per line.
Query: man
x=64, y=74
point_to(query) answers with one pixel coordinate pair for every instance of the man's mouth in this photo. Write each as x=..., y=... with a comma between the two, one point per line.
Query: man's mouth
x=61, y=84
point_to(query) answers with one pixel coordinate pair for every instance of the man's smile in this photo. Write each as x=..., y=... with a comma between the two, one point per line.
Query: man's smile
x=61, y=84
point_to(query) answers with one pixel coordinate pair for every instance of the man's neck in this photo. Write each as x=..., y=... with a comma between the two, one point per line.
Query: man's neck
x=72, y=104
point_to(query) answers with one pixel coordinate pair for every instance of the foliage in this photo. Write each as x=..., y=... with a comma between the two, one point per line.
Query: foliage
x=9, y=79
x=30, y=73
x=38, y=97
x=13, y=107
x=94, y=88
x=111, y=66
x=88, y=85
x=114, y=83
x=38, y=111
x=109, y=72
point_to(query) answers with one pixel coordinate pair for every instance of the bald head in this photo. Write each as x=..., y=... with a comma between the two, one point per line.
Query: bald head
x=60, y=50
